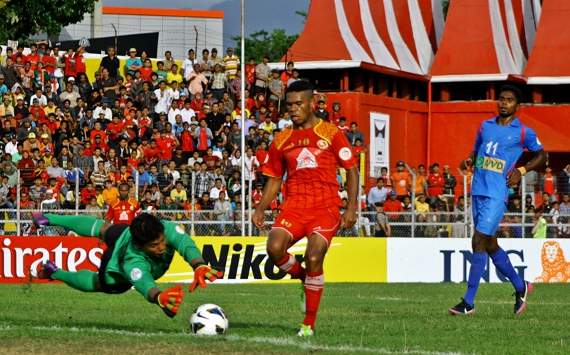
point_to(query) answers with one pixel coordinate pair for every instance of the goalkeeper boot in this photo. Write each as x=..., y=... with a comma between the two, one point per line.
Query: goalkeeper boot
x=306, y=331
x=521, y=298
x=462, y=308
x=39, y=219
x=46, y=270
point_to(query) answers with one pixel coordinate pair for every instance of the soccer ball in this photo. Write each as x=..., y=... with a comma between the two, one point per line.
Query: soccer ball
x=209, y=319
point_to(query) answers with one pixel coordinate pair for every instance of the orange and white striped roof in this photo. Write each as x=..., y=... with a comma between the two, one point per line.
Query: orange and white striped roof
x=396, y=34
x=549, y=62
x=486, y=40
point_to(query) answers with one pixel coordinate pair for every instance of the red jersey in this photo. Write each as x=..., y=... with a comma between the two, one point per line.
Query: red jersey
x=123, y=212
x=166, y=146
x=310, y=158
x=87, y=195
x=435, y=184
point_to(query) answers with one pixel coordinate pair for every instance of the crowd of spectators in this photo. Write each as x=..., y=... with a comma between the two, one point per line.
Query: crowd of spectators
x=153, y=125
x=440, y=201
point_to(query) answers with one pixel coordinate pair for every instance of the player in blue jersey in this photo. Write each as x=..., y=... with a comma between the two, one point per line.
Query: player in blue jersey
x=500, y=142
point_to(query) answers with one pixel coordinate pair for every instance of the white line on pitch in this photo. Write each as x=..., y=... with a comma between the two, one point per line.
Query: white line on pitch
x=279, y=341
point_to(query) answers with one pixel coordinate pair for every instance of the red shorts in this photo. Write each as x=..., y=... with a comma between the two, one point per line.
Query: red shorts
x=300, y=223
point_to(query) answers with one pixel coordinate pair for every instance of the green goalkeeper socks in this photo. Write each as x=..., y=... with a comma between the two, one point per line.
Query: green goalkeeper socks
x=86, y=226
x=82, y=280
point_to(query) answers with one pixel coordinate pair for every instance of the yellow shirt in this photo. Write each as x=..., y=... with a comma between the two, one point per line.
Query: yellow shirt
x=110, y=195
x=178, y=196
x=170, y=77
x=421, y=207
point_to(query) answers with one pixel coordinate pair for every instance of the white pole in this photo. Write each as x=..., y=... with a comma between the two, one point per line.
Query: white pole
x=242, y=124
x=18, y=212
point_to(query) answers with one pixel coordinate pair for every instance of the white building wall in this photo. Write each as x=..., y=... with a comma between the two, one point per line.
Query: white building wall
x=176, y=34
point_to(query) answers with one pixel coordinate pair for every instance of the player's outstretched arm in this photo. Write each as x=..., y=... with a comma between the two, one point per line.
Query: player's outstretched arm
x=272, y=187
x=348, y=218
x=535, y=163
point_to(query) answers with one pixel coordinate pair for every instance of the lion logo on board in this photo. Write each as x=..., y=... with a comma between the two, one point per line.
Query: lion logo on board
x=555, y=268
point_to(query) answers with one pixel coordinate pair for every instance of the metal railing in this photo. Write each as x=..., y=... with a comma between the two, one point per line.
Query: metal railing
x=410, y=223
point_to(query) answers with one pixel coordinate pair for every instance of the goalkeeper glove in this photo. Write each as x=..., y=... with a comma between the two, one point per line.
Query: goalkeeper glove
x=170, y=299
x=203, y=272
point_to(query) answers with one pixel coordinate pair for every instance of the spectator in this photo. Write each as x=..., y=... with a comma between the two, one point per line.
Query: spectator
x=110, y=193
x=231, y=63
x=382, y=227
x=197, y=81
x=276, y=87
x=50, y=202
x=540, y=225
x=189, y=65
x=377, y=194
x=565, y=205
x=436, y=182
x=549, y=185
x=262, y=75
x=178, y=195
x=321, y=111
x=353, y=134
x=204, y=180
x=111, y=63
x=222, y=212
x=400, y=181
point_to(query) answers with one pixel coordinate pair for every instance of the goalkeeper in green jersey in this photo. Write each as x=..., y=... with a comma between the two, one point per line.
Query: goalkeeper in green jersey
x=136, y=255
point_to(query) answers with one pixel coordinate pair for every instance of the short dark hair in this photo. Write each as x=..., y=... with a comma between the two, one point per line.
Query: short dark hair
x=146, y=228
x=515, y=90
x=300, y=86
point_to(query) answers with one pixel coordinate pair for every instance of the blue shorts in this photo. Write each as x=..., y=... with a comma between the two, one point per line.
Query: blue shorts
x=487, y=214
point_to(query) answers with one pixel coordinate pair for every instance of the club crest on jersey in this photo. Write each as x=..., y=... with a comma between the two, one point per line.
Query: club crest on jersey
x=345, y=154
x=491, y=164
x=306, y=160
x=322, y=144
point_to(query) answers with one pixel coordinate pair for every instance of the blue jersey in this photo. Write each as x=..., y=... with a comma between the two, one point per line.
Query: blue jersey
x=498, y=148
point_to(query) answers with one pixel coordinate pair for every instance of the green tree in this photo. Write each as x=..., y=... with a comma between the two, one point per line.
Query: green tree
x=23, y=18
x=274, y=44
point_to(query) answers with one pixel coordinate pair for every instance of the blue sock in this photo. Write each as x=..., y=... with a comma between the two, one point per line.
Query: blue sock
x=503, y=264
x=478, y=263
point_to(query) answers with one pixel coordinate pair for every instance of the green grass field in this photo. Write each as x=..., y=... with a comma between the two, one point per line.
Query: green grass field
x=354, y=318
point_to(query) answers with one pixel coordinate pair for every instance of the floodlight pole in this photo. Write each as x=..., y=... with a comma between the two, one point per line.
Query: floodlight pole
x=242, y=124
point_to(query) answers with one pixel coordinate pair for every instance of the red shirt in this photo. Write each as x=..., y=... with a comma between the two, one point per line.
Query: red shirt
x=95, y=132
x=310, y=158
x=33, y=59
x=87, y=195
x=49, y=63
x=262, y=156
x=146, y=73
x=115, y=129
x=435, y=184
x=151, y=154
x=166, y=147
x=250, y=73
x=123, y=212
x=186, y=141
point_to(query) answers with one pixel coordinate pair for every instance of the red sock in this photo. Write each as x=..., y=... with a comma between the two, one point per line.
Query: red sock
x=290, y=265
x=314, y=284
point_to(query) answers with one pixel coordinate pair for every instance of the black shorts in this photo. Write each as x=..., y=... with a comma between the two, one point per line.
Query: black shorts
x=110, y=238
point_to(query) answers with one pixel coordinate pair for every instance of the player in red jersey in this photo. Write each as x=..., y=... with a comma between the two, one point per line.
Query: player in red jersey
x=309, y=154
x=123, y=210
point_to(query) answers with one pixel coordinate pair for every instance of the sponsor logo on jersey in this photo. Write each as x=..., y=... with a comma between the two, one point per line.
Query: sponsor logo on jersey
x=306, y=160
x=322, y=144
x=345, y=154
x=136, y=274
x=491, y=164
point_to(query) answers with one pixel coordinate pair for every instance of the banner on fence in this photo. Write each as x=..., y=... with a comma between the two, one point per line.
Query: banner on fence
x=19, y=255
x=243, y=259
x=448, y=260
x=379, y=142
